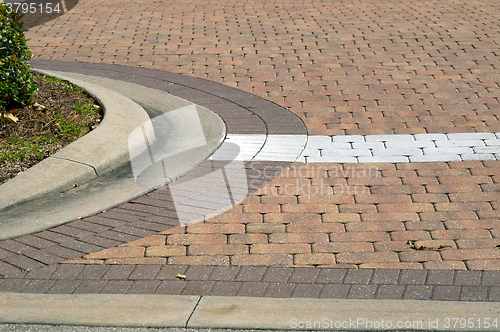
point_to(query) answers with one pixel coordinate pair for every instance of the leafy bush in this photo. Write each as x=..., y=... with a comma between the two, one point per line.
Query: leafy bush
x=16, y=80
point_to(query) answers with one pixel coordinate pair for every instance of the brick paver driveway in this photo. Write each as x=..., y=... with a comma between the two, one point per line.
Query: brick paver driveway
x=345, y=68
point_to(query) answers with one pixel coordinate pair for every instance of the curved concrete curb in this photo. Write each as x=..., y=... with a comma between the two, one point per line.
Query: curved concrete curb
x=102, y=149
x=99, y=163
x=219, y=312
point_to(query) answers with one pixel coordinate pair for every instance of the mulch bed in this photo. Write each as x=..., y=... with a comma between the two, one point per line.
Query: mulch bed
x=43, y=130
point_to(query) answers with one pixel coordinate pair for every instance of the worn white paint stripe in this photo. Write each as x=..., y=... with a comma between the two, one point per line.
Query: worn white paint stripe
x=369, y=148
x=268, y=148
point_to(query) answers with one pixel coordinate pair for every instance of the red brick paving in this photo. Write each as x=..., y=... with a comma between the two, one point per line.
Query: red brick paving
x=364, y=229
x=344, y=67
x=362, y=67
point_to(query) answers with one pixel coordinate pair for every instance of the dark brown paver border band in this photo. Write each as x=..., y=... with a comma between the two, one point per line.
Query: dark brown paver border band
x=242, y=112
x=253, y=281
x=31, y=264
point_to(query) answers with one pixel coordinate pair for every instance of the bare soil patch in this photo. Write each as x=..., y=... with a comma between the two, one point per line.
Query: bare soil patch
x=60, y=114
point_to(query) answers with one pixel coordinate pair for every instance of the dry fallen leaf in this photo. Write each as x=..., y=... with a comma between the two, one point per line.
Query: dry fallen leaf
x=422, y=246
x=9, y=118
x=497, y=246
x=180, y=276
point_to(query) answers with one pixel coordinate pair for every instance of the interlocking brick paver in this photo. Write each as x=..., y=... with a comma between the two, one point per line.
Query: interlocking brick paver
x=385, y=277
x=490, y=278
x=335, y=276
x=118, y=272
x=89, y=272
x=483, y=264
x=362, y=291
x=144, y=272
x=136, y=260
x=117, y=287
x=417, y=292
x=391, y=265
x=358, y=276
x=13, y=285
x=419, y=256
x=494, y=294
x=62, y=286
x=335, y=291
x=440, y=277
x=8, y=269
x=279, y=290
x=306, y=290
x=366, y=257
x=223, y=288
x=446, y=293
x=38, y=286
x=170, y=287
x=255, y=289
x=415, y=92
x=412, y=277
x=468, y=278
x=118, y=252
x=41, y=273
x=22, y=262
x=263, y=260
x=169, y=272
x=448, y=265
x=197, y=260
x=304, y=275
x=473, y=293
x=360, y=234
x=224, y=273
x=336, y=247
x=90, y=286
x=388, y=292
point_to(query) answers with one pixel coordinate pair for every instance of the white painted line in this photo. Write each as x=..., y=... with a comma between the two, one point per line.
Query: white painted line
x=369, y=148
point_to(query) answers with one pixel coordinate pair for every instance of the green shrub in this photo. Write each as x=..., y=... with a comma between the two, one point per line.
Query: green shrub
x=16, y=80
